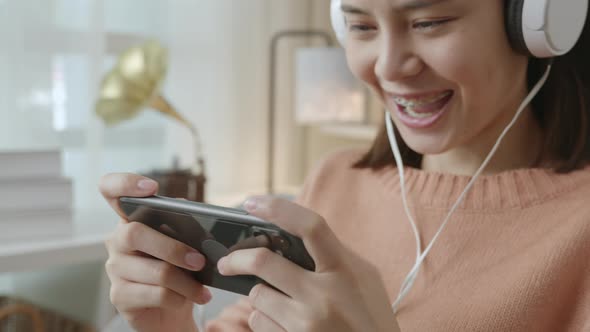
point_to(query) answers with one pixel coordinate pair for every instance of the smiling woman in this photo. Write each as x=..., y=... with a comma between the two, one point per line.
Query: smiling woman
x=496, y=185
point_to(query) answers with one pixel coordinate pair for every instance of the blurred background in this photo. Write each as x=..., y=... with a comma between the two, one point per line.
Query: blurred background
x=221, y=77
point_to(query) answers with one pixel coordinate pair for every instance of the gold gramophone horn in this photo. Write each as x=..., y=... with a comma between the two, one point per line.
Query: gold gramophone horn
x=134, y=84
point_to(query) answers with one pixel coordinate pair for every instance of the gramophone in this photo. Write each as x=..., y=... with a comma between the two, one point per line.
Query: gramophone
x=133, y=85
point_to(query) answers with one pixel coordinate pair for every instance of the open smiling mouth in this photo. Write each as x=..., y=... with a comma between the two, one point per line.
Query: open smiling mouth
x=422, y=112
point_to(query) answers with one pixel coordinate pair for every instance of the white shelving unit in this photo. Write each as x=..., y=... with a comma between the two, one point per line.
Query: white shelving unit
x=84, y=244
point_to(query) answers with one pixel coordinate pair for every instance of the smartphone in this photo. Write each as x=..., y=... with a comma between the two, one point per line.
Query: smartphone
x=215, y=231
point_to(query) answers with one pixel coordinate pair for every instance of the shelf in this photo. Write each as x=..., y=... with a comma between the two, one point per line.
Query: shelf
x=353, y=131
x=85, y=244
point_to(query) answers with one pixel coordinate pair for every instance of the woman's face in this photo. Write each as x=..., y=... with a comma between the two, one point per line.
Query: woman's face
x=443, y=68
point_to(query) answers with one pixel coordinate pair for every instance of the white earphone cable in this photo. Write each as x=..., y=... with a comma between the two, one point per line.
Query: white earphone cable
x=412, y=275
x=398, y=159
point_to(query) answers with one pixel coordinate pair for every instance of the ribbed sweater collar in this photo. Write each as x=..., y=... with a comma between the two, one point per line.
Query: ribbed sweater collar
x=515, y=189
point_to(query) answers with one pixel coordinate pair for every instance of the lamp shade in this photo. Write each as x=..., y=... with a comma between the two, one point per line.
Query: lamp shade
x=326, y=91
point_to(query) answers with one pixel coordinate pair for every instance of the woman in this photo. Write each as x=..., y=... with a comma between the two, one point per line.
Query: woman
x=514, y=256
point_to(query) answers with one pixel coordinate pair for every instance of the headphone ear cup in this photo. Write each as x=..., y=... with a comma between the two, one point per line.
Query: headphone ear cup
x=513, y=22
x=544, y=28
x=338, y=21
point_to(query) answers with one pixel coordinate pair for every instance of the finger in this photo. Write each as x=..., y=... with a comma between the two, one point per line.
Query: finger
x=222, y=326
x=227, y=326
x=134, y=236
x=273, y=304
x=157, y=273
x=231, y=318
x=130, y=296
x=263, y=263
x=237, y=312
x=115, y=185
x=318, y=238
x=259, y=322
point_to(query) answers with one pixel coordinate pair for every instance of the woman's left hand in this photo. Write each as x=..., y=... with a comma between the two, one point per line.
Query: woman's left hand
x=345, y=293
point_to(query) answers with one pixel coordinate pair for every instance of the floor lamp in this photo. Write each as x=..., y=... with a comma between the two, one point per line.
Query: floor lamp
x=286, y=34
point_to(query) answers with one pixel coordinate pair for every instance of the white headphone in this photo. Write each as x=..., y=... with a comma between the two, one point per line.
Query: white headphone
x=541, y=28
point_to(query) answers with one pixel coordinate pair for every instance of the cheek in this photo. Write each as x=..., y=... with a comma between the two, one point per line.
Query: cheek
x=362, y=65
x=479, y=62
x=452, y=60
x=467, y=68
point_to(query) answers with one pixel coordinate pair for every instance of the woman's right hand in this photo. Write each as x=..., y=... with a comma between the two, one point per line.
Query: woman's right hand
x=148, y=286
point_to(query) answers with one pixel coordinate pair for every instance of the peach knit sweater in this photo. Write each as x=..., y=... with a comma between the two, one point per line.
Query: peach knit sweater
x=514, y=257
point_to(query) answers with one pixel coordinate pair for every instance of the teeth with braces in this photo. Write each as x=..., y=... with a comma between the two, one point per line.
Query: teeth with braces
x=411, y=112
x=410, y=105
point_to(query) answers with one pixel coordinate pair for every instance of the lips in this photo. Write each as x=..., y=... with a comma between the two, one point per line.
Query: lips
x=422, y=110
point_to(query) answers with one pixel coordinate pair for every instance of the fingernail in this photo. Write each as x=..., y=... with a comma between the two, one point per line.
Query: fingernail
x=221, y=265
x=146, y=184
x=194, y=260
x=250, y=204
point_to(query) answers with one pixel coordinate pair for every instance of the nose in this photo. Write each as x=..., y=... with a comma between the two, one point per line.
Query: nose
x=396, y=59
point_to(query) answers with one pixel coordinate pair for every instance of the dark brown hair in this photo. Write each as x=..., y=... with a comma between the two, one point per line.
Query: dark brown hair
x=562, y=108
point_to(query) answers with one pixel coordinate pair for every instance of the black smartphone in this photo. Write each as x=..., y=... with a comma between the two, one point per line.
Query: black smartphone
x=215, y=231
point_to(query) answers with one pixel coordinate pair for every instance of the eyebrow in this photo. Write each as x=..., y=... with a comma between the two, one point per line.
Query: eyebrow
x=408, y=6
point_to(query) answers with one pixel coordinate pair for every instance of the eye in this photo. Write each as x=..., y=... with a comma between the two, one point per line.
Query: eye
x=360, y=27
x=429, y=25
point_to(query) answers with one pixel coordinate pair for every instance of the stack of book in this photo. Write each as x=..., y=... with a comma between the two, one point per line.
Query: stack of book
x=35, y=199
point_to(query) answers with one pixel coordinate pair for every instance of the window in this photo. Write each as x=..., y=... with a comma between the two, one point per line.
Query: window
x=52, y=60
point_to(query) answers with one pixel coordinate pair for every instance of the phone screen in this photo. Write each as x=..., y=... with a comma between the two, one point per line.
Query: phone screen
x=193, y=229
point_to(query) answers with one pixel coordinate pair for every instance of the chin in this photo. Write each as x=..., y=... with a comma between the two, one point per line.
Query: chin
x=426, y=144
x=430, y=141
